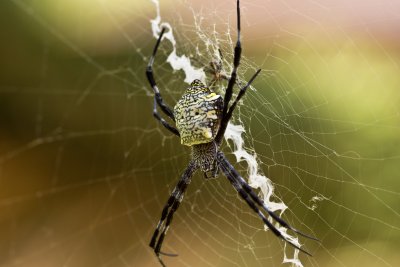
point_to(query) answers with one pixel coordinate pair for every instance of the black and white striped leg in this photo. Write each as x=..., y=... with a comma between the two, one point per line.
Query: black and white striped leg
x=235, y=179
x=150, y=77
x=225, y=120
x=236, y=61
x=163, y=122
x=169, y=210
x=261, y=203
x=240, y=95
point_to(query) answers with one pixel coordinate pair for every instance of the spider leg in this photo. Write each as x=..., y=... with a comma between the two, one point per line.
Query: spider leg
x=225, y=120
x=150, y=77
x=221, y=56
x=240, y=95
x=236, y=61
x=232, y=176
x=163, y=122
x=261, y=203
x=169, y=210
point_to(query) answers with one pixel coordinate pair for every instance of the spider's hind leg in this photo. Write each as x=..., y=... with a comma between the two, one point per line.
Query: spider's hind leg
x=162, y=121
x=227, y=117
x=150, y=77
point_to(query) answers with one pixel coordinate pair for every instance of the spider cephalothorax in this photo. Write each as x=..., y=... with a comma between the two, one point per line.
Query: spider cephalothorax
x=201, y=117
x=205, y=157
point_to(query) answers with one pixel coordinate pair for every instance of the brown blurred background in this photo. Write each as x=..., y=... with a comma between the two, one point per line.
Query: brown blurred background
x=85, y=170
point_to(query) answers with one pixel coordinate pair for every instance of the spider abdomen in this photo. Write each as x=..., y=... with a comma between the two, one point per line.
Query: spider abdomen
x=198, y=114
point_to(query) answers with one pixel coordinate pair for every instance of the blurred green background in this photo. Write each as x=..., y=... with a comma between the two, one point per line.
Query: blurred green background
x=85, y=169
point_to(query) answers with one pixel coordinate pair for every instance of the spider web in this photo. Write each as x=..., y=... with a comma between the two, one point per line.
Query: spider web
x=85, y=170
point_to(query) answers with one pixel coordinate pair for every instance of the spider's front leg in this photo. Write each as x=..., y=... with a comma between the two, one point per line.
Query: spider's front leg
x=253, y=200
x=168, y=211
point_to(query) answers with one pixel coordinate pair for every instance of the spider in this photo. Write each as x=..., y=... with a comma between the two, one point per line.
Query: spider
x=201, y=118
x=215, y=69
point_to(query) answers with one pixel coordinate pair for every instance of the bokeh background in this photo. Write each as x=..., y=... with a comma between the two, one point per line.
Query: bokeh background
x=85, y=170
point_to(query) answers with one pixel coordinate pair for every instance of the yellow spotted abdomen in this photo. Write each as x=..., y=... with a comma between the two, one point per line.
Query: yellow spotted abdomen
x=198, y=115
